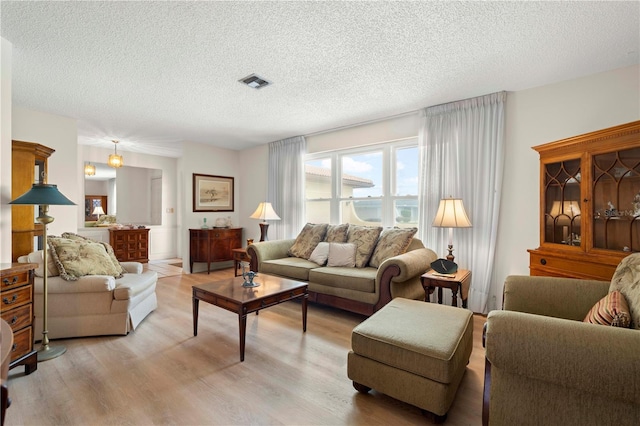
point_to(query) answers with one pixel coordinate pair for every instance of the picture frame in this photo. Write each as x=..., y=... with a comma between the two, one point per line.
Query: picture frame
x=212, y=193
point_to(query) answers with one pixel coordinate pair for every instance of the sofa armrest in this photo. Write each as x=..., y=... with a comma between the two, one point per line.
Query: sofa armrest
x=406, y=267
x=268, y=250
x=592, y=358
x=567, y=298
x=132, y=267
x=86, y=284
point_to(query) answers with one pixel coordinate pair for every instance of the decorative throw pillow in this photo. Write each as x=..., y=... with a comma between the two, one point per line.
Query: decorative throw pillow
x=76, y=258
x=365, y=239
x=610, y=310
x=342, y=254
x=107, y=247
x=626, y=280
x=320, y=254
x=392, y=242
x=337, y=233
x=307, y=240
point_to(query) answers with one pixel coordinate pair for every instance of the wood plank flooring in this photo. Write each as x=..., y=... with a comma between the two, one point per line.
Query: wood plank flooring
x=161, y=374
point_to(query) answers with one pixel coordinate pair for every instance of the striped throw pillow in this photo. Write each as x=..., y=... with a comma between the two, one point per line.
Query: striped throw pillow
x=610, y=310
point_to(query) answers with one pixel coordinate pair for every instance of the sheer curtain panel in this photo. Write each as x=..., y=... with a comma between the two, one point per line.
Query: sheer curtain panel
x=285, y=188
x=462, y=155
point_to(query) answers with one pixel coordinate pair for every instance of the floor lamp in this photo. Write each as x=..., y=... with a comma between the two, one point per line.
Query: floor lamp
x=451, y=214
x=264, y=212
x=45, y=195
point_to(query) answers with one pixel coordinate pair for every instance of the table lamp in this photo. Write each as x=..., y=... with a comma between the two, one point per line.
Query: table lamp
x=98, y=211
x=45, y=195
x=451, y=214
x=264, y=212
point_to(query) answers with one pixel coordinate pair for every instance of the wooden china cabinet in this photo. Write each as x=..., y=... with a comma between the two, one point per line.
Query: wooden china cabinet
x=589, y=203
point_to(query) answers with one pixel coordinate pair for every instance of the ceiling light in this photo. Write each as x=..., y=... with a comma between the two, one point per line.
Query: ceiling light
x=254, y=81
x=115, y=160
x=89, y=169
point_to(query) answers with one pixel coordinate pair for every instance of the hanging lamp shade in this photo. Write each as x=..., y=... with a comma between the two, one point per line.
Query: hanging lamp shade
x=115, y=160
x=89, y=169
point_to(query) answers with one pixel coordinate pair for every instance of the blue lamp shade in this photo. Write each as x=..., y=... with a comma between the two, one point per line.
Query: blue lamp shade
x=43, y=194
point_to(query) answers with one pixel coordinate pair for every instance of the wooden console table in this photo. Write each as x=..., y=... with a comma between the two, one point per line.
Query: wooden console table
x=213, y=245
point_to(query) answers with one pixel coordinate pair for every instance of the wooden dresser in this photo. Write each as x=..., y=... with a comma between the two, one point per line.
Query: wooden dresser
x=213, y=245
x=130, y=245
x=17, y=310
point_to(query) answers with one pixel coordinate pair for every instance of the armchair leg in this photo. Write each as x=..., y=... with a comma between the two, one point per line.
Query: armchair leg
x=486, y=394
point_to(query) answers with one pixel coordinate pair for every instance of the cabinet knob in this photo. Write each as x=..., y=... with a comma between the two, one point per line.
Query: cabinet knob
x=6, y=281
x=8, y=302
x=14, y=320
x=14, y=347
x=543, y=261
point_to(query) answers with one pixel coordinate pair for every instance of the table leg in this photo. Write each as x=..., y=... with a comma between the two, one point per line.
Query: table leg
x=440, y=295
x=196, y=303
x=304, y=312
x=242, y=317
x=464, y=303
x=454, y=300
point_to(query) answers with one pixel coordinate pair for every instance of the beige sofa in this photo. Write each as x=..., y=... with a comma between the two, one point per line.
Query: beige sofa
x=545, y=366
x=94, y=305
x=361, y=290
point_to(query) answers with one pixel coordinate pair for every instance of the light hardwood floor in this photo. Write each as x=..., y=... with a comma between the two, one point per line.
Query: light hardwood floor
x=162, y=374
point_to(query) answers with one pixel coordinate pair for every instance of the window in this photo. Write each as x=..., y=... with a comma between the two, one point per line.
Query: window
x=369, y=186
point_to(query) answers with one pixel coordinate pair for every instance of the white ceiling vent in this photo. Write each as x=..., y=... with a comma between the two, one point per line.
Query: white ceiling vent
x=255, y=81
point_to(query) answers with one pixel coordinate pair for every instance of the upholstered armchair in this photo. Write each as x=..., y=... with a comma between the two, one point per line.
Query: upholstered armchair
x=545, y=366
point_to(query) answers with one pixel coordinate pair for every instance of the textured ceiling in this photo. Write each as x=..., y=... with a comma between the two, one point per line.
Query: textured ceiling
x=154, y=74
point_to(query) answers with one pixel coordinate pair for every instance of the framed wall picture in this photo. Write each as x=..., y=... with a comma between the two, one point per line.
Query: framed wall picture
x=212, y=193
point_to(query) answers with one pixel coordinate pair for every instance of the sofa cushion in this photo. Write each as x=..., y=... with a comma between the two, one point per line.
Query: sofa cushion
x=610, y=310
x=307, y=240
x=107, y=247
x=359, y=279
x=290, y=267
x=365, y=238
x=337, y=233
x=37, y=257
x=392, y=242
x=320, y=254
x=76, y=258
x=342, y=254
x=626, y=280
x=131, y=285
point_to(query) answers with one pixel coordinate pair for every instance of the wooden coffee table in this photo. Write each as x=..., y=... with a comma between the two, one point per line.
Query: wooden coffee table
x=230, y=295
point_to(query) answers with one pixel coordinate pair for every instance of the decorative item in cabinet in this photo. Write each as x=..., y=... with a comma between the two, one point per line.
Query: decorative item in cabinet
x=16, y=281
x=130, y=245
x=589, y=203
x=213, y=245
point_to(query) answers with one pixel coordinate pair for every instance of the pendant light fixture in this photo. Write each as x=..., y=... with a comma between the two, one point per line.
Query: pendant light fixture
x=89, y=169
x=115, y=160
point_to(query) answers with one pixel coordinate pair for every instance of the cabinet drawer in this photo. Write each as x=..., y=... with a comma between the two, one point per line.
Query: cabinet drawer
x=15, y=298
x=14, y=280
x=19, y=317
x=22, y=343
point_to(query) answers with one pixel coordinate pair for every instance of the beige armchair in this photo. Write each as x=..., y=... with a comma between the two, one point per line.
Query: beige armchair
x=544, y=366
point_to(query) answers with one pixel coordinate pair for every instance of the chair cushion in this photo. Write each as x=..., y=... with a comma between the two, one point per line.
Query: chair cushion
x=365, y=239
x=359, y=279
x=290, y=267
x=131, y=285
x=392, y=242
x=626, y=279
x=76, y=258
x=320, y=254
x=342, y=254
x=610, y=310
x=107, y=247
x=337, y=233
x=307, y=240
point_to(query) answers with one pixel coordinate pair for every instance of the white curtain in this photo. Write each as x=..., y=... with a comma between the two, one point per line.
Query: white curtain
x=285, y=188
x=462, y=155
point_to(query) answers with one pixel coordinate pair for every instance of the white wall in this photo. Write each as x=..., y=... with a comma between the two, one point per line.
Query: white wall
x=61, y=134
x=5, y=150
x=207, y=160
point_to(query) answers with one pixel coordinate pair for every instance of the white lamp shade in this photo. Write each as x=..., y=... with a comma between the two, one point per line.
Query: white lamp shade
x=451, y=214
x=98, y=210
x=265, y=212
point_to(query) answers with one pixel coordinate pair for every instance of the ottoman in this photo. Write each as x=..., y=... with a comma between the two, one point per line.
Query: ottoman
x=413, y=351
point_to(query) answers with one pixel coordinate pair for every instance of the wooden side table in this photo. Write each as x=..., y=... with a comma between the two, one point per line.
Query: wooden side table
x=460, y=281
x=239, y=255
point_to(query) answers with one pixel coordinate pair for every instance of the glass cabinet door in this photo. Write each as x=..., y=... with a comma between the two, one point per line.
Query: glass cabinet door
x=562, y=203
x=616, y=200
